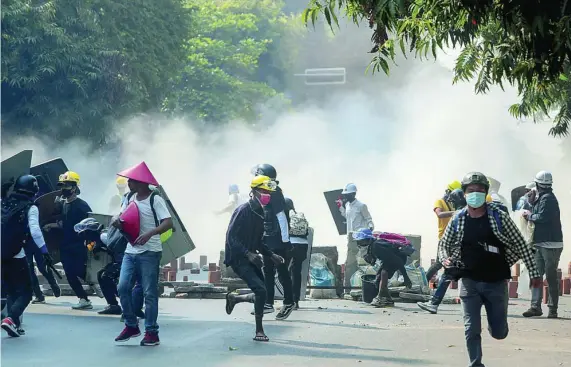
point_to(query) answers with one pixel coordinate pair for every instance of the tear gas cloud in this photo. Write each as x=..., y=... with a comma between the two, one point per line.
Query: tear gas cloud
x=400, y=142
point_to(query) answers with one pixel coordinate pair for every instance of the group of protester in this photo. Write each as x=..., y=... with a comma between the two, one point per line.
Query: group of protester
x=138, y=263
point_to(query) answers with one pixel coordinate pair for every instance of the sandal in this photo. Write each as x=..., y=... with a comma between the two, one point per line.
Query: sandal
x=230, y=303
x=261, y=338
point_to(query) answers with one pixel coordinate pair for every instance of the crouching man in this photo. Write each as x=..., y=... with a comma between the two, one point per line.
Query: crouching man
x=480, y=245
x=245, y=248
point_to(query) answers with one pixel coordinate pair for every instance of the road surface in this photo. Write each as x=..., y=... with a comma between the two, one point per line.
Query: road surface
x=328, y=333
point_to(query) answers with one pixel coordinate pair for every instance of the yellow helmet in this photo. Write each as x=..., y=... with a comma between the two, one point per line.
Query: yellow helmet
x=121, y=181
x=263, y=182
x=454, y=185
x=69, y=177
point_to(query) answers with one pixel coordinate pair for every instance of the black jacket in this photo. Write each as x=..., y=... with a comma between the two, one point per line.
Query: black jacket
x=546, y=217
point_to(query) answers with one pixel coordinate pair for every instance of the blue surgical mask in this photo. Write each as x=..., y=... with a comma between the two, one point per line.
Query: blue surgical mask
x=476, y=199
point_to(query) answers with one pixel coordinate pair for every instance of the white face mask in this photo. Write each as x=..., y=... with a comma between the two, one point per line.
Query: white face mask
x=476, y=199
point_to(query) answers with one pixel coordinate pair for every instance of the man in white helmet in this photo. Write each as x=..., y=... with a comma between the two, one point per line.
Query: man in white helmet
x=234, y=200
x=548, y=242
x=358, y=217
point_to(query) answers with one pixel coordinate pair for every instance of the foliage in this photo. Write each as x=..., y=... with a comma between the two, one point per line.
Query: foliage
x=231, y=67
x=71, y=67
x=525, y=43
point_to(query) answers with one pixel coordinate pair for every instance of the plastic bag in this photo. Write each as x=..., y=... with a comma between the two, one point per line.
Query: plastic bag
x=362, y=270
x=319, y=273
x=525, y=227
x=417, y=277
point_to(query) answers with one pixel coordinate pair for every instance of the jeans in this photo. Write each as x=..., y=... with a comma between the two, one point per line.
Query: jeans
x=283, y=275
x=34, y=253
x=443, y=285
x=351, y=263
x=146, y=266
x=434, y=268
x=18, y=287
x=547, y=260
x=254, y=278
x=494, y=297
x=298, y=255
x=74, y=261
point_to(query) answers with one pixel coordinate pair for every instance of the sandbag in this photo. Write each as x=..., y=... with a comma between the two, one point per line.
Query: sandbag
x=321, y=276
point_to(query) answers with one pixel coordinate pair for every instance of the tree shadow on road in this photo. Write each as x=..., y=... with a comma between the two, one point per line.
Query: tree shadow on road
x=334, y=310
x=353, y=326
x=308, y=344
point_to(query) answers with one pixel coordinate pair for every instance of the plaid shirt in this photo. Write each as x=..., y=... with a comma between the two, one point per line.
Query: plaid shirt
x=450, y=245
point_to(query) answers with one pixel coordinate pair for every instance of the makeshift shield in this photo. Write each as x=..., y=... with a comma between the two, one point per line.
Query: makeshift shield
x=48, y=173
x=131, y=222
x=340, y=222
x=15, y=166
x=50, y=209
x=517, y=193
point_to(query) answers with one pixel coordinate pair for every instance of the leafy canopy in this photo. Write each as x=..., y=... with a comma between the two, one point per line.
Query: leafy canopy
x=525, y=43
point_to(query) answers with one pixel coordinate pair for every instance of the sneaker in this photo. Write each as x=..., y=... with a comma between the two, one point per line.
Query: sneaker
x=552, y=314
x=285, y=311
x=533, y=312
x=10, y=327
x=296, y=306
x=150, y=339
x=21, y=331
x=37, y=300
x=381, y=302
x=128, y=333
x=111, y=310
x=267, y=309
x=428, y=306
x=83, y=304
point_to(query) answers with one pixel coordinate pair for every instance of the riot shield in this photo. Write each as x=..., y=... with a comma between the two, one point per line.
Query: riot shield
x=340, y=222
x=50, y=212
x=15, y=166
x=48, y=174
x=517, y=193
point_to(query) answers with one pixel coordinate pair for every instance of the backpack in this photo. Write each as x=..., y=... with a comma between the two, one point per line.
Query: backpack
x=397, y=241
x=495, y=214
x=298, y=225
x=14, y=224
x=116, y=241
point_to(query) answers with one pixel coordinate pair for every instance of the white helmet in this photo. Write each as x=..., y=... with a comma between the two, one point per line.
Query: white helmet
x=530, y=186
x=544, y=178
x=233, y=189
x=350, y=189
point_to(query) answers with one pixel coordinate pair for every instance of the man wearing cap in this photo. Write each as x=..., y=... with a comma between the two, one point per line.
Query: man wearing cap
x=524, y=202
x=548, y=243
x=73, y=252
x=143, y=255
x=358, y=217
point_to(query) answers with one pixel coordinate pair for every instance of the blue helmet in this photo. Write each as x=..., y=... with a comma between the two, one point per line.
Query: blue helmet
x=363, y=234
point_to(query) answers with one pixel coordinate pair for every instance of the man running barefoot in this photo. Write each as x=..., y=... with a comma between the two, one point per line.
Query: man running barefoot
x=245, y=247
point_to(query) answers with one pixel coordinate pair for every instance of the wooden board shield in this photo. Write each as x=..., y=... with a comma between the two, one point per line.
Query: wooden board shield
x=16, y=166
x=340, y=222
x=517, y=193
x=50, y=212
x=48, y=174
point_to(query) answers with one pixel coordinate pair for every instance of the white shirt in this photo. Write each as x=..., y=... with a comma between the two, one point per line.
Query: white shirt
x=298, y=240
x=35, y=230
x=357, y=215
x=234, y=201
x=148, y=222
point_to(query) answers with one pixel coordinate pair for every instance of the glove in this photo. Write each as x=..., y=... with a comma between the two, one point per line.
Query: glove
x=339, y=203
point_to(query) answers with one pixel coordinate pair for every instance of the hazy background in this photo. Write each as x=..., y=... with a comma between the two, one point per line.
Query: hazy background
x=400, y=139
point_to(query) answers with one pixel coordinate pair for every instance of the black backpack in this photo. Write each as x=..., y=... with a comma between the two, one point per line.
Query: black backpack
x=14, y=224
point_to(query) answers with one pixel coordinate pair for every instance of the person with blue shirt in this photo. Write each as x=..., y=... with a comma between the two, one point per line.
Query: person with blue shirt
x=73, y=252
x=524, y=203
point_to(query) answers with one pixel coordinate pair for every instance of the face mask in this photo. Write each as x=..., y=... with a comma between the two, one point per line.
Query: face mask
x=264, y=199
x=66, y=193
x=476, y=199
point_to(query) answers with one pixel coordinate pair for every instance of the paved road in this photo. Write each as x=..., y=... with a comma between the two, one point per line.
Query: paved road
x=323, y=333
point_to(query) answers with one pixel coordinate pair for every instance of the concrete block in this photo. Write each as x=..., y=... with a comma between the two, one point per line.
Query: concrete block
x=214, y=295
x=567, y=285
x=545, y=294
x=512, y=289
x=214, y=277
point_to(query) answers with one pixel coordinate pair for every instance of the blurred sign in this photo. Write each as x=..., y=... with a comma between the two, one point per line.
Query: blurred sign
x=48, y=174
x=16, y=166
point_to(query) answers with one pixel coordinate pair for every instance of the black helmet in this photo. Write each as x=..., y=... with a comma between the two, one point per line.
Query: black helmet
x=289, y=204
x=457, y=198
x=265, y=169
x=27, y=184
x=475, y=178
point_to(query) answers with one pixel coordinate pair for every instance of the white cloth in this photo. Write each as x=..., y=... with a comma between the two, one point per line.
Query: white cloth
x=284, y=226
x=148, y=222
x=35, y=230
x=357, y=215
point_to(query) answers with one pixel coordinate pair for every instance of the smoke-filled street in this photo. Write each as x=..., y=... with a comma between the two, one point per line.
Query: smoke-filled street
x=322, y=333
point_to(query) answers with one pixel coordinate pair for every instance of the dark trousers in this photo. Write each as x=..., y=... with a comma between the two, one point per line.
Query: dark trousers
x=298, y=255
x=34, y=253
x=18, y=287
x=74, y=261
x=494, y=297
x=107, y=279
x=283, y=275
x=254, y=278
